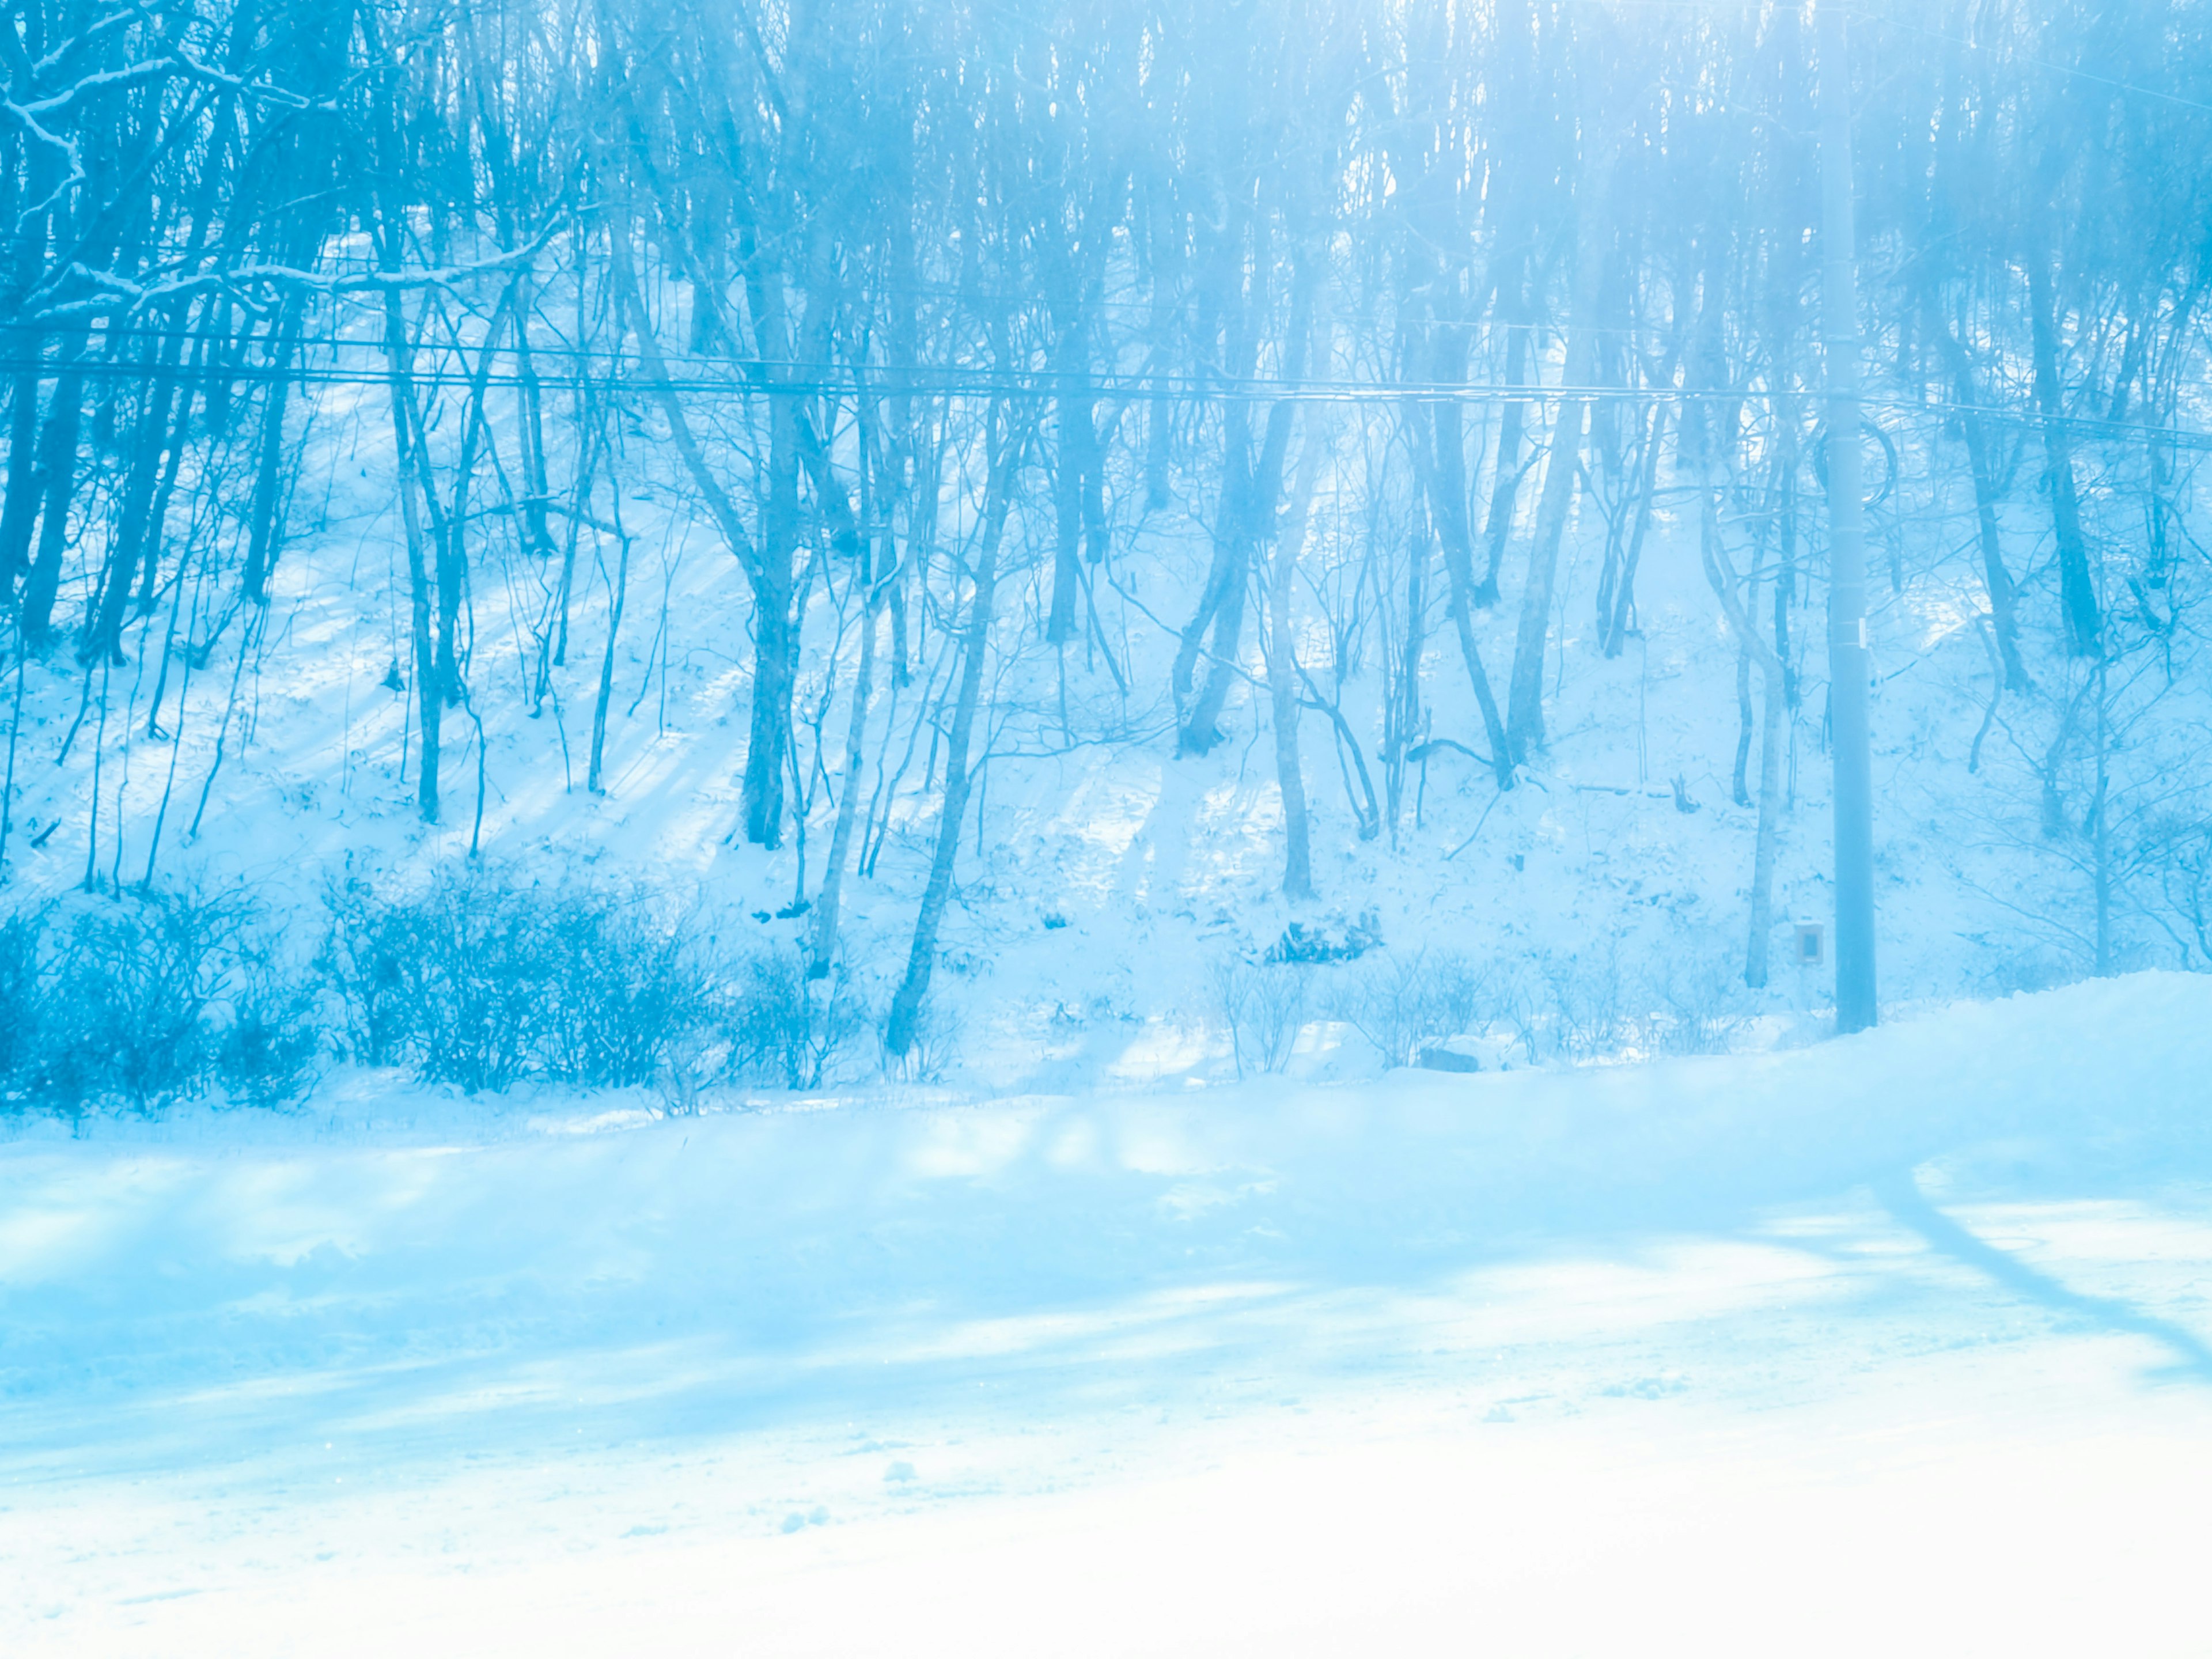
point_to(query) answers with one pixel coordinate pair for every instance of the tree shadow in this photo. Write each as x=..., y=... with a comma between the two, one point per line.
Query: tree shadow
x=1902, y=1197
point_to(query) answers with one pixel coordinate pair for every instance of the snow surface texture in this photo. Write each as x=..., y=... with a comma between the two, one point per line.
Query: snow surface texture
x=1895, y=1345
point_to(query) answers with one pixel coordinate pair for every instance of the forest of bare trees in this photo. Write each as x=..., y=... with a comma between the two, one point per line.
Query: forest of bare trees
x=942, y=317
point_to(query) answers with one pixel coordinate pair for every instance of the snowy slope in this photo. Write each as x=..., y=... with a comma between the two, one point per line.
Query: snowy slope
x=1897, y=1344
x=1588, y=881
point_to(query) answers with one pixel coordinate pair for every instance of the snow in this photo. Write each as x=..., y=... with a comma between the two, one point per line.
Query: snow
x=1160, y=866
x=1894, y=1344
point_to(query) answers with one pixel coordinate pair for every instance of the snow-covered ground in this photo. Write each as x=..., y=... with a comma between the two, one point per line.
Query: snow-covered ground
x=1899, y=1344
x=1106, y=880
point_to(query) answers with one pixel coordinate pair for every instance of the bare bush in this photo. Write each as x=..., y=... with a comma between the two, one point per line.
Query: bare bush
x=148, y=1000
x=624, y=991
x=781, y=1027
x=1404, y=1003
x=1699, y=1005
x=1579, y=1008
x=452, y=980
x=268, y=1050
x=482, y=982
x=1587, y=1012
x=1263, y=1007
x=21, y=1003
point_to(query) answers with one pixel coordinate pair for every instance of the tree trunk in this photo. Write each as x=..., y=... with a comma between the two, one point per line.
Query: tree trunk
x=536, y=489
x=901, y=1028
x=1448, y=498
x=19, y=516
x=775, y=634
x=103, y=625
x=1740, y=613
x=414, y=486
x=2003, y=613
x=56, y=472
x=821, y=943
x=1524, y=701
x=1505, y=474
x=1282, y=667
x=1074, y=439
x=1250, y=495
x=1857, y=1008
x=617, y=599
x=1623, y=597
x=1773, y=720
x=768, y=567
x=2078, y=588
x=1524, y=717
x=265, y=538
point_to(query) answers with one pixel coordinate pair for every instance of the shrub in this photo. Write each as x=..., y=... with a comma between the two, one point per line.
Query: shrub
x=265, y=1054
x=482, y=982
x=1588, y=1005
x=479, y=981
x=146, y=1000
x=1403, y=1004
x=1583, y=1008
x=1263, y=1005
x=128, y=1006
x=20, y=1004
x=1700, y=1006
x=781, y=1027
x=622, y=990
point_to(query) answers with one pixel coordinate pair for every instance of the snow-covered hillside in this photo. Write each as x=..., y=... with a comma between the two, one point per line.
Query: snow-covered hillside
x=1900, y=1342
x=1106, y=882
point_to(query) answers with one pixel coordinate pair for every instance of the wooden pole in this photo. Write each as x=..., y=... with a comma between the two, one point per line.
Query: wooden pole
x=1847, y=650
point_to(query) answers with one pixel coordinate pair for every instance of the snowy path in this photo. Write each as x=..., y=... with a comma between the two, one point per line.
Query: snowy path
x=1899, y=1345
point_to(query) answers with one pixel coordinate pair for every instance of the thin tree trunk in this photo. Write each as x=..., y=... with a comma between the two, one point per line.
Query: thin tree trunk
x=1073, y=439
x=1994, y=575
x=903, y=1025
x=1448, y=497
x=1249, y=500
x=775, y=641
x=536, y=491
x=1721, y=573
x=768, y=566
x=265, y=538
x=617, y=598
x=422, y=607
x=1525, y=699
x=1524, y=716
x=1282, y=667
x=823, y=943
x=56, y=472
x=1623, y=597
x=1773, y=722
x=27, y=346
x=1403, y=714
x=8, y=776
x=1744, y=721
x=1505, y=473
x=103, y=628
x=157, y=519
x=2077, y=589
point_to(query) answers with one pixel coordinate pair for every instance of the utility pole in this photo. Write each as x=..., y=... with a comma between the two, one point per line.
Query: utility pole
x=1847, y=648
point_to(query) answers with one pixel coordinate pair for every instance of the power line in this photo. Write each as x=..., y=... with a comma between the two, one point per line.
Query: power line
x=844, y=380
x=2065, y=70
